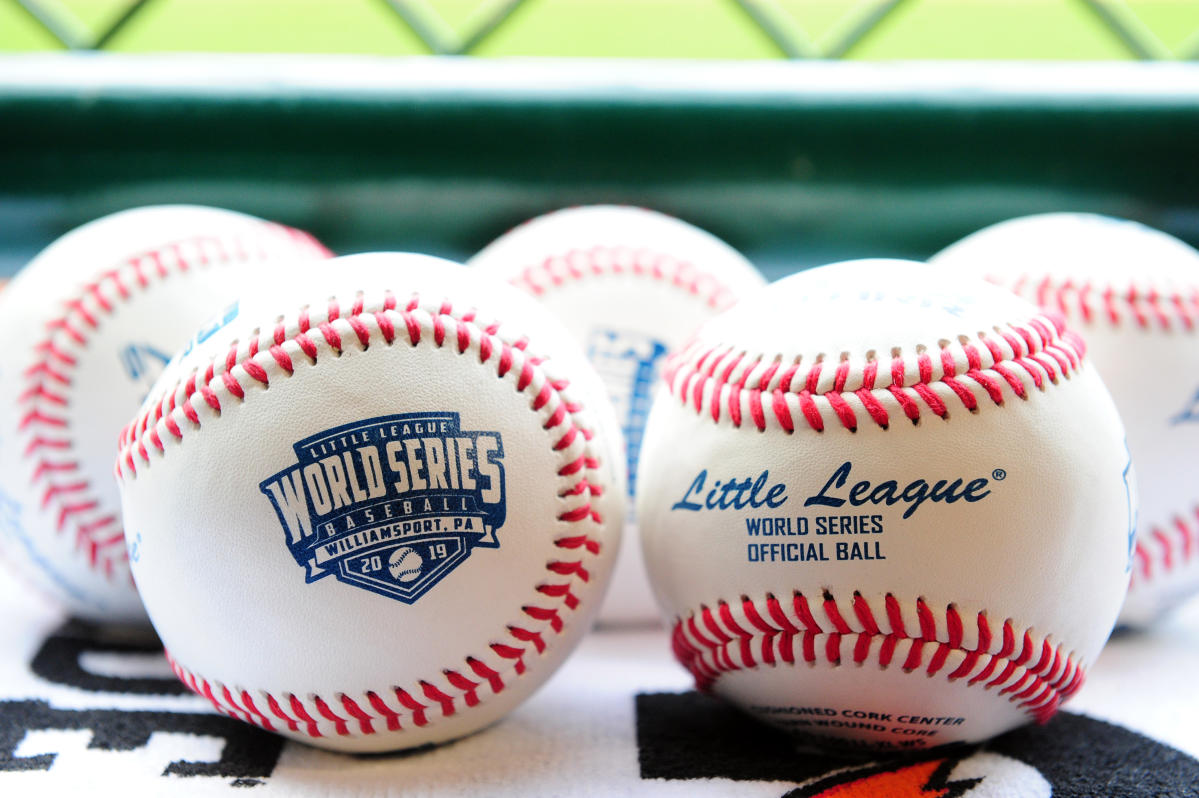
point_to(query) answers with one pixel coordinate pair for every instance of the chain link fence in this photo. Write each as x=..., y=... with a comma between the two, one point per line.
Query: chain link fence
x=796, y=29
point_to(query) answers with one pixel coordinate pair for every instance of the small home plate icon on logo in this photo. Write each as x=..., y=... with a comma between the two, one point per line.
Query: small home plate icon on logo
x=391, y=504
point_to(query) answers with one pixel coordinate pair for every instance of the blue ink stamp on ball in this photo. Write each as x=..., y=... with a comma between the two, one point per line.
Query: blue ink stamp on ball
x=1189, y=414
x=391, y=504
x=1133, y=509
x=628, y=364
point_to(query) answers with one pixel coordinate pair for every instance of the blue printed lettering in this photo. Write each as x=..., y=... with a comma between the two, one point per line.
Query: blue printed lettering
x=391, y=504
x=732, y=494
x=889, y=493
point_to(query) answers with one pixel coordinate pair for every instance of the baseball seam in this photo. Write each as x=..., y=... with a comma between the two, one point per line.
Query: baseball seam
x=56, y=471
x=1029, y=671
x=1091, y=300
x=762, y=390
x=1165, y=549
x=604, y=260
x=275, y=356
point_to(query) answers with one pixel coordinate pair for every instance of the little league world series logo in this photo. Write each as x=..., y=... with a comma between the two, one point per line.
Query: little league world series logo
x=391, y=504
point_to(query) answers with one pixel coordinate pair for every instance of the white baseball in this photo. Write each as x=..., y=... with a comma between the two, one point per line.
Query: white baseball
x=886, y=508
x=90, y=323
x=631, y=284
x=387, y=401
x=1133, y=293
x=405, y=565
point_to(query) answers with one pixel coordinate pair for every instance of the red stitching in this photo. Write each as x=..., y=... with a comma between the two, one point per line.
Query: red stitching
x=1168, y=310
x=297, y=706
x=1041, y=348
x=380, y=706
x=605, y=260
x=177, y=412
x=712, y=642
x=1166, y=549
x=43, y=403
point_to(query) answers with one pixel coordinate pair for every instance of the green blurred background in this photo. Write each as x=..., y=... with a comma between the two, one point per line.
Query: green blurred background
x=802, y=135
x=859, y=29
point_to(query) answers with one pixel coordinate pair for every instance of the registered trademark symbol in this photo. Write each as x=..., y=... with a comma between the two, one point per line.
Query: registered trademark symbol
x=999, y=474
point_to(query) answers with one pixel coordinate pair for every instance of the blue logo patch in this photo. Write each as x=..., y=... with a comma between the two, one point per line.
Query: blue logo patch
x=628, y=364
x=391, y=504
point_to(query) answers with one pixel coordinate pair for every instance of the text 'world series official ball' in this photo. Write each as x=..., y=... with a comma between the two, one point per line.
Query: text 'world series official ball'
x=631, y=284
x=89, y=324
x=377, y=507
x=1133, y=293
x=887, y=508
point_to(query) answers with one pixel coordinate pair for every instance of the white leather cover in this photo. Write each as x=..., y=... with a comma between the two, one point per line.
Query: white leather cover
x=1133, y=293
x=263, y=614
x=89, y=324
x=631, y=284
x=927, y=534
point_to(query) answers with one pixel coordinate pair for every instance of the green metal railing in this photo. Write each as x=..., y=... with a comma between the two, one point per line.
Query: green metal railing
x=779, y=25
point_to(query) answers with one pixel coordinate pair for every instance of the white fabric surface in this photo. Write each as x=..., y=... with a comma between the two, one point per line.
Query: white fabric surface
x=576, y=736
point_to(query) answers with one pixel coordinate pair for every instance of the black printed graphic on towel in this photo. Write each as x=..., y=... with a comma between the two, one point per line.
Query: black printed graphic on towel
x=1081, y=756
x=691, y=736
x=248, y=753
x=58, y=659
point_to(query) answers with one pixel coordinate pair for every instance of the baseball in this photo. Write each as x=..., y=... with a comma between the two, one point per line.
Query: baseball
x=90, y=322
x=632, y=285
x=886, y=508
x=389, y=402
x=405, y=564
x=1133, y=293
